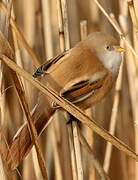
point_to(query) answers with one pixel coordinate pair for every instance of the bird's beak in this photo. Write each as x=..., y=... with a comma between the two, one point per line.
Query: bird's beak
x=119, y=49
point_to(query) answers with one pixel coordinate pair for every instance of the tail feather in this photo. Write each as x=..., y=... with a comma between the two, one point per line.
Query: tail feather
x=22, y=142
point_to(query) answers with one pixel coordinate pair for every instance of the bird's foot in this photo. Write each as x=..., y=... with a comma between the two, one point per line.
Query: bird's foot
x=71, y=119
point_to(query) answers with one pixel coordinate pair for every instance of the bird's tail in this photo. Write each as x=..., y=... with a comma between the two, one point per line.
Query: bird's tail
x=22, y=142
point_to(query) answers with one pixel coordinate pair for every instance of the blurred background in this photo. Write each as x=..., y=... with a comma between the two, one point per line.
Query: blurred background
x=38, y=21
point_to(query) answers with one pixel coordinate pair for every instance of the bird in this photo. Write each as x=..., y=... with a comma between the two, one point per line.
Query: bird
x=83, y=75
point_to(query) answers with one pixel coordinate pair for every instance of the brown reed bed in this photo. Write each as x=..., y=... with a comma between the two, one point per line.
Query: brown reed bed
x=33, y=31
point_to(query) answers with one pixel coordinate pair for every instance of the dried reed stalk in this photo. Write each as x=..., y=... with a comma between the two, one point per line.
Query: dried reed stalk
x=58, y=168
x=133, y=93
x=113, y=119
x=5, y=146
x=32, y=129
x=129, y=65
x=22, y=98
x=97, y=165
x=21, y=38
x=5, y=172
x=132, y=78
x=77, y=150
x=115, y=107
x=72, y=154
x=9, y=7
x=95, y=162
x=122, y=36
x=64, y=44
x=60, y=26
x=71, y=108
x=133, y=16
x=2, y=172
x=47, y=29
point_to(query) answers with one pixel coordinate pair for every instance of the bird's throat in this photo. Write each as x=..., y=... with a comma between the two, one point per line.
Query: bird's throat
x=111, y=61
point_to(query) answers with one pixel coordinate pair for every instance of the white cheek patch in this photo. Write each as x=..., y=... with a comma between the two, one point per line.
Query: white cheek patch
x=111, y=60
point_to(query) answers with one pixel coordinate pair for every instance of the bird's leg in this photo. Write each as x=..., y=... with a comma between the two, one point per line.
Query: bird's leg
x=71, y=119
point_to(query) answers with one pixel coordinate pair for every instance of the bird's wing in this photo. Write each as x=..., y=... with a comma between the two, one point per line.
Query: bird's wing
x=82, y=89
x=44, y=67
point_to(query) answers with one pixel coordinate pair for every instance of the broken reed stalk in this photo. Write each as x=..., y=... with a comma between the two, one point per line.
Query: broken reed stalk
x=77, y=158
x=71, y=108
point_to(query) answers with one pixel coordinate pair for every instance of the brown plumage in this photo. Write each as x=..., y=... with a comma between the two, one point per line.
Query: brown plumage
x=83, y=75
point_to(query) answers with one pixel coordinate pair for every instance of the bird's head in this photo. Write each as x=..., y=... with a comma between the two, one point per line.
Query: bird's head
x=107, y=49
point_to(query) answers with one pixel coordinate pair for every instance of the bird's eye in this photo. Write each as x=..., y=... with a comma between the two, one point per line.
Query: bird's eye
x=109, y=48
